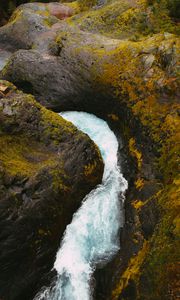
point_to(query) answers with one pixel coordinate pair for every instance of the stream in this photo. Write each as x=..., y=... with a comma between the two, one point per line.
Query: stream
x=92, y=238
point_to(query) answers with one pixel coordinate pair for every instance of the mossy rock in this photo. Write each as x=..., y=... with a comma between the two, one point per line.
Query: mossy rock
x=130, y=19
x=43, y=179
x=8, y=6
x=129, y=76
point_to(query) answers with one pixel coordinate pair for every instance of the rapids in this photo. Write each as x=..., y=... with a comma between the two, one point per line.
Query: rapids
x=92, y=238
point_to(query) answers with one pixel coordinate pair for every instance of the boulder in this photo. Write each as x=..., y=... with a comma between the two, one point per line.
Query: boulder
x=59, y=10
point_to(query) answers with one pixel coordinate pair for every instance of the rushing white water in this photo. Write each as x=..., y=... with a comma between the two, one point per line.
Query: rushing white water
x=92, y=237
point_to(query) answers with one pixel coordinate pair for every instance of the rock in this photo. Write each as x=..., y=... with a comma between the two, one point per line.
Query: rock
x=60, y=11
x=148, y=61
x=57, y=9
x=4, y=56
x=128, y=77
x=42, y=183
x=149, y=217
x=25, y=25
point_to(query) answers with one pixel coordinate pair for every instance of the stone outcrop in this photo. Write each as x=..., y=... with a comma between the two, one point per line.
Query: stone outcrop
x=43, y=179
x=128, y=76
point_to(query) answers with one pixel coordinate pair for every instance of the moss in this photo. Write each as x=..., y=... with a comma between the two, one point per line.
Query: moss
x=48, y=22
x=59, y=176
x=20, y=157
x=137, y=204
x=132, y=19
x=139, y=183
x=143, y=76
x=126, y=73
x=160, y=266
x=54, y=124
x=136, y=153
x=75, y=5
x=86, y=4
x=15, y=16
x=132, y=271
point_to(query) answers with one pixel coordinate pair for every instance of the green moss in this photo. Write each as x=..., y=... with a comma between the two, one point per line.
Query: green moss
x=75, y=5
x=86, y=4
x=129, y=19
x=55, y=126
x=18, y=156
x=49, y=21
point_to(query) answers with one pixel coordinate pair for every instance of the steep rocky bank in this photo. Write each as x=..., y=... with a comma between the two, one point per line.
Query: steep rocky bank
x=119, y=61
x=47, y=166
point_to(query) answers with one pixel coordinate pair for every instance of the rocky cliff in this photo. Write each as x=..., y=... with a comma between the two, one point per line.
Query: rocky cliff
x=119, y=60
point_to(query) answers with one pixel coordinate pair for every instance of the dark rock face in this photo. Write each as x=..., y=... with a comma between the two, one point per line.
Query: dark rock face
x=49, y=64
x=48, y=78
x=42, y=183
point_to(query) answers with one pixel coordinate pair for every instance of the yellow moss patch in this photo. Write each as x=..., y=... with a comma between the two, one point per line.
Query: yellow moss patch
x=132, y=271
x=139, y=183
x=75, y=6
x=126, y=19
x=44, y=13
x=23, y=157
x=137, y=204
x=16, y=15
x=136, y=153
x=55, y=125
x=86, y=4
x=163, y=258
x=125, y=69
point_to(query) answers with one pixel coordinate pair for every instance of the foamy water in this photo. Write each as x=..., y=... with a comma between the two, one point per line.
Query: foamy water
x=93, y=235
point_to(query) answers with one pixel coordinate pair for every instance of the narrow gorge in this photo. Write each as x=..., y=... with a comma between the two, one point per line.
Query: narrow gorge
x=92, y=238
x=89, y=90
